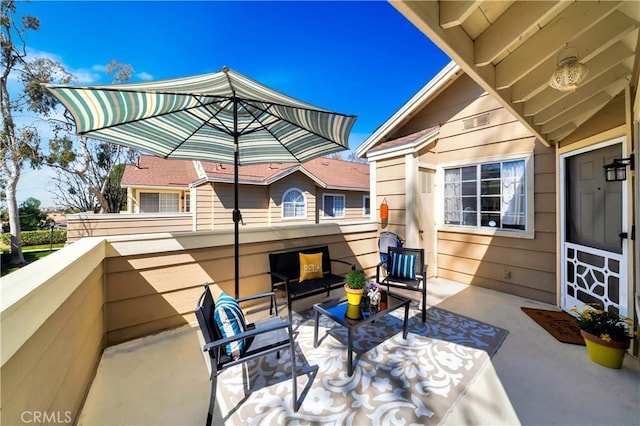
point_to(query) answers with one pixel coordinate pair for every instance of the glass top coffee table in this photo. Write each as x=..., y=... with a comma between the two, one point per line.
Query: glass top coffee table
x=353, y=316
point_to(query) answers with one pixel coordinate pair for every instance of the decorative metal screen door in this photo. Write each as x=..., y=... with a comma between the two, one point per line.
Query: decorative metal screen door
x=594, y=266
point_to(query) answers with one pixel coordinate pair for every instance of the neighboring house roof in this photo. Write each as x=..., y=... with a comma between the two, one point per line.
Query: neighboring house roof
x=158, y=172
x=409, y=141
x=429, y=92
x=327, y=173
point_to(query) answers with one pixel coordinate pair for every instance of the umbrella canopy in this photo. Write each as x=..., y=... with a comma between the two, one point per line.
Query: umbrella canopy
x=224, y=117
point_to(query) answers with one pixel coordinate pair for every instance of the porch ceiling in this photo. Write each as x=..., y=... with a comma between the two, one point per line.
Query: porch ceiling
x=511, y=48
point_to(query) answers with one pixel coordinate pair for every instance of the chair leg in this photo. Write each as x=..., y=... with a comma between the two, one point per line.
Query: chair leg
x=424, y=302
x=290, y=308
x=294, y=379
x=212, y=398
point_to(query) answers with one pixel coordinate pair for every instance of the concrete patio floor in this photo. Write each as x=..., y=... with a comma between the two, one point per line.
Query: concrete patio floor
x=532, y=380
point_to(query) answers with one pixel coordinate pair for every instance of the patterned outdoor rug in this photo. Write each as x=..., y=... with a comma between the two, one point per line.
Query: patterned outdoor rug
x=395, y=381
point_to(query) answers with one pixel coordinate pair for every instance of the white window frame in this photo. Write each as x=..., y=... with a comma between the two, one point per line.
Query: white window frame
x=344, y=205
x=529, y=231
x=161, y=194
x=186, y=197
x=366, y=213
x=282, y=203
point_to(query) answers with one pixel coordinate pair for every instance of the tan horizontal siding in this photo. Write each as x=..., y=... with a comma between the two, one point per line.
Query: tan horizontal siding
x=253, y=202
x=65, y=348
x=304, y=184
x=500, y=254
x=391, y=187
x=531, y=263
x=89, y=225
x=353, y=206
x=498, y=285
x=463, y=98
x=461, y=148
x=498, y=119
x=470, y=257
x=204, y=207
x=610, y=116
x=148, y=292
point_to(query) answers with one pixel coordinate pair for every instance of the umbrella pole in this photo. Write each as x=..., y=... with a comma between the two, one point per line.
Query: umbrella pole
x=236, y=210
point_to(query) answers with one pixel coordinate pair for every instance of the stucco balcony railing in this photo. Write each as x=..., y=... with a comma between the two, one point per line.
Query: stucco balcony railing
x=59, y=313
x=82, y=225
x=65, y=314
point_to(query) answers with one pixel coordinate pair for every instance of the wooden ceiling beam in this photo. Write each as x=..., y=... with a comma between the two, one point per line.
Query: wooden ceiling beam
x=593, y=103
x=595, y=71
x=568, y=25
x=603, y=39
x=550, y=96
x=570, y=114
x=453, y=13
x=519, y=19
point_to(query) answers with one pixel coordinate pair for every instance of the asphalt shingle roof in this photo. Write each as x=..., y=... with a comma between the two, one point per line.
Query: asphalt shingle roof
x=156, y=171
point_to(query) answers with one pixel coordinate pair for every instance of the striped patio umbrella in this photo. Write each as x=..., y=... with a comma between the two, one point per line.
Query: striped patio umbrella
x=223, y=117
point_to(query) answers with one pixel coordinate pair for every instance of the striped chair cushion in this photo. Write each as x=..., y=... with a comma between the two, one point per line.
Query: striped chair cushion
x=230, y=321
x=403, y=265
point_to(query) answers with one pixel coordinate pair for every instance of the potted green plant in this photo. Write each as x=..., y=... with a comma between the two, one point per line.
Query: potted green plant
x=354, y=283
x=606, y=334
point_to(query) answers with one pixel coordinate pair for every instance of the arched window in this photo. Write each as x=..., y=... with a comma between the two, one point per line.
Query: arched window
x=294, y=205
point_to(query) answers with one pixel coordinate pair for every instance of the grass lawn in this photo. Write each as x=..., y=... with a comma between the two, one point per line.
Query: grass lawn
x=31, y=254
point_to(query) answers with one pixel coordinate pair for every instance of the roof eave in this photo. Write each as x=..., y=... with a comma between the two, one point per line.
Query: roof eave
x=444, y=78
x=406, y=148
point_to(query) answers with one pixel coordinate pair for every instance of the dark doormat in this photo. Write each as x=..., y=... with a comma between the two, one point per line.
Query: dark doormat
x=559, y=324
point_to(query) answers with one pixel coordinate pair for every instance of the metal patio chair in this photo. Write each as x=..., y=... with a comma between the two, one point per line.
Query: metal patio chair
x=260, y=338
x=405, y=269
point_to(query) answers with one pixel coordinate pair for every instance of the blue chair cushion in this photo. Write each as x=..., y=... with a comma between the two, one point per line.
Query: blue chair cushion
x=230, y=321
x=403, y=265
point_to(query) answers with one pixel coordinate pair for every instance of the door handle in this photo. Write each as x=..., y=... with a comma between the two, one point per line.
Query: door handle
x=622, y=236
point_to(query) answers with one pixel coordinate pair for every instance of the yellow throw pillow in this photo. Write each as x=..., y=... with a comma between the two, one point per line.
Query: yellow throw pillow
x=310, y=266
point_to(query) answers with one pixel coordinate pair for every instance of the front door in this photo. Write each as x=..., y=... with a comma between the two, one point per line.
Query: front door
x=427, y=223
x=594, y=261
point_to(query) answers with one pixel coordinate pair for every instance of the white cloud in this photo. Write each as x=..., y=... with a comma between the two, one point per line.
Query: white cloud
x=81, y=75
x=144, y=76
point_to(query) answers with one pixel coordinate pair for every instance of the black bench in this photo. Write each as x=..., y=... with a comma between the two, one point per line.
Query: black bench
x=285, y=274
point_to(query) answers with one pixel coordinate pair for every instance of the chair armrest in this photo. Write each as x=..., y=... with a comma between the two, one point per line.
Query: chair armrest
x=345, y=262
x=281, y=277
x=246, y=334
x=378, y=266
x=256, y=296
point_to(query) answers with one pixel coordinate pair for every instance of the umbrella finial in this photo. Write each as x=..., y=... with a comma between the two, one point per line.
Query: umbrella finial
x=225, y=69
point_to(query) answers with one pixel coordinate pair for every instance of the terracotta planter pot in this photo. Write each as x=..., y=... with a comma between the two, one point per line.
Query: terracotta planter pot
x=609, y=354
x=354, y=296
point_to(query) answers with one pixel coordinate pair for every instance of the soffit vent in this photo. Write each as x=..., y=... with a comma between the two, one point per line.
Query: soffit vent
x=477, y=121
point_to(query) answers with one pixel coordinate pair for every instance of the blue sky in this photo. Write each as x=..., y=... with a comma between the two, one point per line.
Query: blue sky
x=360, y=58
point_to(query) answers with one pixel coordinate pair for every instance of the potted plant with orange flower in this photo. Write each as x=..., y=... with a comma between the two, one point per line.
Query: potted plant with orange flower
x=606, y=334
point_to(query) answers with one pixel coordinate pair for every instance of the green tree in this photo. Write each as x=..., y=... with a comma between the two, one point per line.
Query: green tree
x=20, y=144
x=31, y=217
x=114, y=194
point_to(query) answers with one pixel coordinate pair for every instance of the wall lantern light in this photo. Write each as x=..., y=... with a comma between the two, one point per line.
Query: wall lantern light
x=617, y=170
